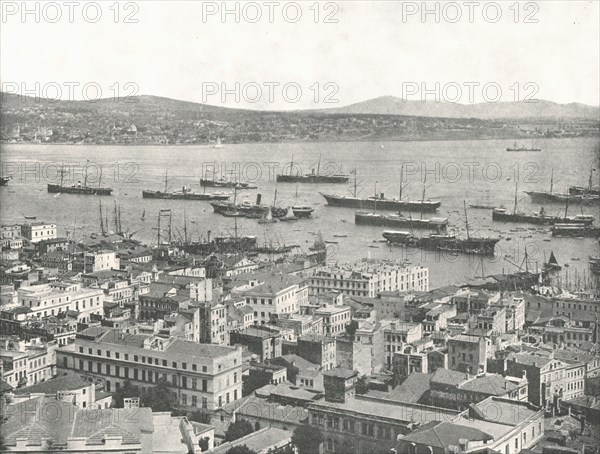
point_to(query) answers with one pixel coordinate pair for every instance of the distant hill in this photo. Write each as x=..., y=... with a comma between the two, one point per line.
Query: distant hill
x=390, y=105
x=159, y=120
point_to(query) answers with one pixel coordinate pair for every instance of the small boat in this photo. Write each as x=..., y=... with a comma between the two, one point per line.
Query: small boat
x=30, y=217
x=218, y=144
x=331, y=242
x=289, y=215
x=340, y=236
x=267, y=218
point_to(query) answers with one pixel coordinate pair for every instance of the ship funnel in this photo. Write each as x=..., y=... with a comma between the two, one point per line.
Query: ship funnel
x=258, y=198
x=382, y=196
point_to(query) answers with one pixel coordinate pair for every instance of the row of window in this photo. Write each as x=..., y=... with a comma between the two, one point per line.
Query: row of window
x=366, y=429
x=147, y=360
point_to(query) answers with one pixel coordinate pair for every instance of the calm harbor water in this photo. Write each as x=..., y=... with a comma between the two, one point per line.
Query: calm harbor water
x=478, y=172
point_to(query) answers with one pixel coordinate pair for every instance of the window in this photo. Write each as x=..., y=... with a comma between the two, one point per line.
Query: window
x=204, y=385
x=204, y=402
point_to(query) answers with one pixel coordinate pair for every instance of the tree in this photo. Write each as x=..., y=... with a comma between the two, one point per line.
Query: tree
x=243, y=449
x=159, y=397
x=203, y=444
x=238, y=429
x=307, y=439
x=362, y=385
x=125, y=391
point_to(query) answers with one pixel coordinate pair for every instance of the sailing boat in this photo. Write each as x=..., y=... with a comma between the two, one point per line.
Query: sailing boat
x=143, y=218
x=268, y=217
x=552, y=263
x=218, y=144
x=522, y=148
x=289, y=215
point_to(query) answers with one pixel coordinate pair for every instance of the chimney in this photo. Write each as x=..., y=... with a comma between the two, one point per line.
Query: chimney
x=258, y=198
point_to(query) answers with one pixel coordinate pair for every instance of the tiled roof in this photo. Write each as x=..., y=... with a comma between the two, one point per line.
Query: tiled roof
x=67, y=382
x=449, y=377
x=443, y=435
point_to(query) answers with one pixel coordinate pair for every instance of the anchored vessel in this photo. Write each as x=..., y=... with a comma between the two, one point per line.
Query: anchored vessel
x=184, y=194
x=4, y=181
x=380, y=202
x=444, y=242
x=435, y=242
x=398, y=220
x=79, y=188
x=522, y=148
x=503, y=215
x=590, y=190
x=541, y=218
x=555, y=197
x=311, y=177
x=575, y=230
x=246, y=209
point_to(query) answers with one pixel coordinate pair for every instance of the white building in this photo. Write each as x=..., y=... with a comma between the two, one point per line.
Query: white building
x=52, y=299
x=369, y=278
x=100, y=261
x=38, y=231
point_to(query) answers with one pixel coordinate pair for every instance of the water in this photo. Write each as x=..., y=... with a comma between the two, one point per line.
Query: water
x=456, y=171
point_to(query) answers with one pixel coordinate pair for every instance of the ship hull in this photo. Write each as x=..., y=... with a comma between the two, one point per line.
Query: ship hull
x=313, y=179
x=251, y=211
x=225, y=184
x=575, y=230
x=56, y=188
x=302, y=212
x=477, y=246
x=381, y=204
x=534, y=219
x=578, y=190
x=182, y=196
x=547, y=197
x=399, y=221
x=4, y=181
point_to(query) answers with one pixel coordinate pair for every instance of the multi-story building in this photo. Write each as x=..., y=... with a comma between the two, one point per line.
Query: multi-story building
x=397, y=334
x=467, y=353
x=563, y=331
x=273, y=295
x=436, y=319
x=515, y=313
x=493, y=425
x=261, y=341
x=457, y=390
x=492, y=318
x=368, y=278
x=213, y=322
x=100, y=261
x=302, y=324
x=162, y=300
x=545, y=375
x=335, y=319
x=10, y=237
x=356, y=424
x=574, y=380
x=320, y=350
x=27, y=363
x=38, y=231
x=52, y=299
x=199, y=375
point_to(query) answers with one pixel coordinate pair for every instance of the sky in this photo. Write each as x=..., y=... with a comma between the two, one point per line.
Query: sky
x=305, y=54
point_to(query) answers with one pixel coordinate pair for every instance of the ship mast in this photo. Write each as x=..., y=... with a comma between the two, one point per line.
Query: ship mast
x=516, y=200
x=551, y=180
x=116, y=219
x=319, y=165
x=62, y=174
x=101, y=219
x=86, y=174
x=466, y=218
x=423, y=197
x=355, y=181
x=401, y=182
x=185, y=236
x=291, y=165
x=166, y=178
